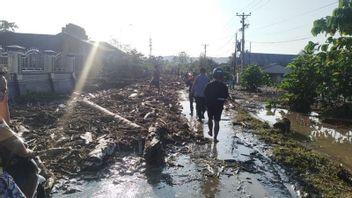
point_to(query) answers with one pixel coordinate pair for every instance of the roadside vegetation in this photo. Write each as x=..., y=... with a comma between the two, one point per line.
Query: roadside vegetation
x=254, y=77
x=320, y=77
x=317, y=175
x=321, y=73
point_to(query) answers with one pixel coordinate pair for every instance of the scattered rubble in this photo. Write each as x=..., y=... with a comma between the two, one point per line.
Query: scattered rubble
x=83, y=132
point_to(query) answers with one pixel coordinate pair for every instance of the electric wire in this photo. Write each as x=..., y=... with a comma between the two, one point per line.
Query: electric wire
x=295, y=17
x=284, y=41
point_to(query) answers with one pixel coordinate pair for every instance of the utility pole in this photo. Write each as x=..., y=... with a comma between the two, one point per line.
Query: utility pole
x=250, y=52
x=150, y=46
x=235, y=58
x=243, y=17
x=205, y=50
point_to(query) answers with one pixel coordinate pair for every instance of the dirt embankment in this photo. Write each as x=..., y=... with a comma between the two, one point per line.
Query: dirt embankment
x=318, y=175
x=71, y=137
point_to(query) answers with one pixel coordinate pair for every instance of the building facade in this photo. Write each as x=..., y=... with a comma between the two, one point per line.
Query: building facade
x=48, y=63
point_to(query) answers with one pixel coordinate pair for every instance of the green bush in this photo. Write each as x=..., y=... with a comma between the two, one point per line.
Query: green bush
x=253, y=77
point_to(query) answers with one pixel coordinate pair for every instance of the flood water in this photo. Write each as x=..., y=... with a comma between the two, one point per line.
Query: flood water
x=237, y=166
x=334, y=140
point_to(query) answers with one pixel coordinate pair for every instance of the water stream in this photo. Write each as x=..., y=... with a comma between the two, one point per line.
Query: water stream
x=334, y=140
x=207, y=170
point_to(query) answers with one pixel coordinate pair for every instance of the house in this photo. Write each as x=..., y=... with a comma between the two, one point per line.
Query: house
x=275, y=71
x=43, y=62
x=275, y=65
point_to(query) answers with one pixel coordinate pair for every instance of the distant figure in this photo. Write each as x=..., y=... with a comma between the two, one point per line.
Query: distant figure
x=198, y=92
x=4, y=106
x=189, y=82
x=156, y=78
x=216, y=92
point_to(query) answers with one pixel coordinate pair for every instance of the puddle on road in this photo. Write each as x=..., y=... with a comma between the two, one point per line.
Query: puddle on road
x=263, y=178
x=330, y=139
x=209, y=170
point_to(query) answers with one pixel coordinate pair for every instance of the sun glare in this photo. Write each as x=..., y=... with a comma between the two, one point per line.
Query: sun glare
x=86, y=68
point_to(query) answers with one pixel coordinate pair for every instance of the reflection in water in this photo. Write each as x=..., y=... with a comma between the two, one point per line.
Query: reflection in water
x=156, y=175
x=330, y=139
x=308, y=125
x=321, y=131
x=210, y=182
x=214, y=150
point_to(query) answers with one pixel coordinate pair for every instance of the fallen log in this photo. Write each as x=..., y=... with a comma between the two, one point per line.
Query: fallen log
x=52, y=152
x=109, y=113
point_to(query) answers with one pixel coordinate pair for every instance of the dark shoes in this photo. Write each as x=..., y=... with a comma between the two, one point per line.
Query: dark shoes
x=210, y=133
x=216, y=140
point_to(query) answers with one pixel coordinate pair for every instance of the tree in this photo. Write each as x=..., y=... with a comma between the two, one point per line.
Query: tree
x=322, y=72
x=183, y=62
x=253, y=77
x=302, y=90
x=340, y=21
x=6, y=26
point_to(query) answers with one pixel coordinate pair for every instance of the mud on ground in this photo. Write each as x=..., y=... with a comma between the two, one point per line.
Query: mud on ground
x=65, y=132
x=318, y=175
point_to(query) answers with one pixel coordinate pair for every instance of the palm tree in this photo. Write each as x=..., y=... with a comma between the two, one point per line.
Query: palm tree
x=6, y=26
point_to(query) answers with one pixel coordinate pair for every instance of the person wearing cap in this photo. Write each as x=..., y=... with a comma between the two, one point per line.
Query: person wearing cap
x=4, y=106
x=198, y=87
x=216, y=92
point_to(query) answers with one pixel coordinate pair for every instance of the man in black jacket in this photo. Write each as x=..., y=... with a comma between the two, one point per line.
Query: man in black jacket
x=216, y=92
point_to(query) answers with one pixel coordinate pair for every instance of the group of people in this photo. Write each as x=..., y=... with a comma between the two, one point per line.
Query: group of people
x=14, y=181
x=209, y=96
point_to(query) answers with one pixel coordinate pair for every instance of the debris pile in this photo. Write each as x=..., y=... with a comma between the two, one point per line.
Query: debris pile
x=83, y=132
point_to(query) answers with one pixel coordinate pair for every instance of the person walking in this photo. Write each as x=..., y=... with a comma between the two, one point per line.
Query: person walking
x=156, y=78
x=216, y=92
x=189, y=82
x=198, y=87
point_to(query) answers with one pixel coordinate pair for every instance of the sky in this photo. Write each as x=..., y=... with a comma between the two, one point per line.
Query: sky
x=275, y=26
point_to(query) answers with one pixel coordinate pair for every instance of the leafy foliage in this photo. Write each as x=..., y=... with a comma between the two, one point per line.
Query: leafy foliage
x=253, y=77
x=299, y=84
x=340, y=21
x=6, y=26
x=322, y=72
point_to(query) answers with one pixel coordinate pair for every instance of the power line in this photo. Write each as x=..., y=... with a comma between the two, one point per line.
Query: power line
x=294, y=17
x=285, y=41
x=226, y=43
x=288, y=30
x=259, y=7
x=248, y=5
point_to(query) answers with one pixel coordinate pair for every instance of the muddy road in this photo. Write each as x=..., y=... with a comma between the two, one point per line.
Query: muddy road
x=238, y=166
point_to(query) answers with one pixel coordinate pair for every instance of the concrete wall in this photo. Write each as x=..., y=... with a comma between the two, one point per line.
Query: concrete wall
x=63, y=82
x=40, y=82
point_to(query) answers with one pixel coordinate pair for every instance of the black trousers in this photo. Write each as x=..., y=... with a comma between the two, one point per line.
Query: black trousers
x=200, y=106
x=191, y=99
